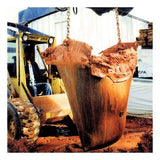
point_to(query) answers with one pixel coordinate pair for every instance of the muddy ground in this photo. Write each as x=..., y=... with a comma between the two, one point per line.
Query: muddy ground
x=137, y=137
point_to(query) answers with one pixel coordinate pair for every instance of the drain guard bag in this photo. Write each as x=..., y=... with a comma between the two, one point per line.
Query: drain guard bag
x=97, y=88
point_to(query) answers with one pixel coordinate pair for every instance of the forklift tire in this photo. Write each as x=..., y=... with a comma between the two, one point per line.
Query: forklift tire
x=14, y=125
x=28, y=118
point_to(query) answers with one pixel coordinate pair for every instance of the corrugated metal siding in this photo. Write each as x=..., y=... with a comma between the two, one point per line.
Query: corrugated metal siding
x=98, y=31
x=54, y=25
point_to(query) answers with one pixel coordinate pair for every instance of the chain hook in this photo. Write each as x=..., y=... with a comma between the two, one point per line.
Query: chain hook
x=68, y=22
x=117, y=23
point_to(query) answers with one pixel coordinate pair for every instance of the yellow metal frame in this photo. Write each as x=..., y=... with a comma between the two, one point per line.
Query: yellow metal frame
x=50, y=105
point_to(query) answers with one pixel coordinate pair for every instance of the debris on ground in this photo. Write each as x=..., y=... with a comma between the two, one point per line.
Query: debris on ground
x=137, y=137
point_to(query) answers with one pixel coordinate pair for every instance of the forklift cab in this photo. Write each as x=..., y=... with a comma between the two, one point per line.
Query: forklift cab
x=38, y=42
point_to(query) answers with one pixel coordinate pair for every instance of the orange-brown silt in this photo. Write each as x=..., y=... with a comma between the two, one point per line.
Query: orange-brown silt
x=97, y=88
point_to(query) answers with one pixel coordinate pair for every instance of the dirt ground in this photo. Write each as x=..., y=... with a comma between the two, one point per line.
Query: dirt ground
x=137, y=137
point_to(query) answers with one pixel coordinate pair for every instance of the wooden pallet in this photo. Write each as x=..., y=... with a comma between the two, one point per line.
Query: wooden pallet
x=145, y=38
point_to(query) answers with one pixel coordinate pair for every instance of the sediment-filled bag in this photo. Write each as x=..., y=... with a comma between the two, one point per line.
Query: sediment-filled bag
x=97, y=87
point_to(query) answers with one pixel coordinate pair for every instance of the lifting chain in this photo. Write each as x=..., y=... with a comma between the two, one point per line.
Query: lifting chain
x=117, y=23
x=68, y=22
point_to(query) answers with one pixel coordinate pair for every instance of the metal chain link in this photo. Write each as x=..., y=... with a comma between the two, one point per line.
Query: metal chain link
x=117, y=23
x=68, y=22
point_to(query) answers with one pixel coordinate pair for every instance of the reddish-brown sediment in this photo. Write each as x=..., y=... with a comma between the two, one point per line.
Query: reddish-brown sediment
x=117, y=62
x=98, y=103
x=137, y=137
x=70, y=51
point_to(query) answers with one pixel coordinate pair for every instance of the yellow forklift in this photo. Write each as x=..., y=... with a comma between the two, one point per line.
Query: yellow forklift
x=26, y=114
